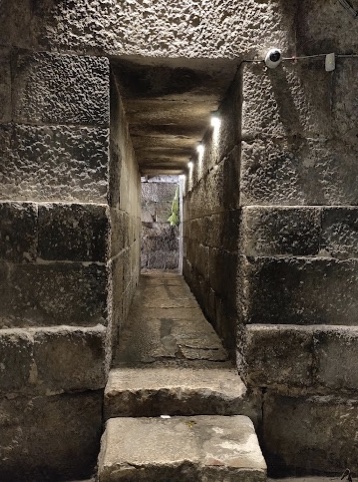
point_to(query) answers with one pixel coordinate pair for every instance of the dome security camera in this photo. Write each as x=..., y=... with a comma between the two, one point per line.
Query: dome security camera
x=273, y=58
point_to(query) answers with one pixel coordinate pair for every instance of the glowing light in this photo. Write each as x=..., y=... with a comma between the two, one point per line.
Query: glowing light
x=190, y=165
x=215, y=120
x=200, y=149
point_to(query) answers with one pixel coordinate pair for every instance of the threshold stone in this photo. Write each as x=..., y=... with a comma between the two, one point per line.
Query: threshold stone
x=181, y=449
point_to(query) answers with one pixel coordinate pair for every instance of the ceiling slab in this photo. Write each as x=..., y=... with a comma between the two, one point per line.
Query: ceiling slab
x=168, y=103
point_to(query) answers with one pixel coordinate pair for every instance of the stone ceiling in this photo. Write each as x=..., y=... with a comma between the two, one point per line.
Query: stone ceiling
x=168, y=103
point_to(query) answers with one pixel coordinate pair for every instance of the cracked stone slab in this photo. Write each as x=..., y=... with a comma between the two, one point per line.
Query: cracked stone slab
x=150, y=392
x=181, y=449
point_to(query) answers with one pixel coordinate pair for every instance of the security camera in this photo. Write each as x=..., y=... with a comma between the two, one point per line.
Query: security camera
x=273, y=58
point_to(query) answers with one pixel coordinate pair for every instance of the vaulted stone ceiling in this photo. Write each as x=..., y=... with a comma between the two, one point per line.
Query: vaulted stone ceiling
x=168, y=103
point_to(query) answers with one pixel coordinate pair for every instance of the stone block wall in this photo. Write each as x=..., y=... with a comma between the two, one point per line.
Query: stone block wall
x=282, y=276
x=61, y=241
x=212, y=220
x=160, y=240
x=125, y=213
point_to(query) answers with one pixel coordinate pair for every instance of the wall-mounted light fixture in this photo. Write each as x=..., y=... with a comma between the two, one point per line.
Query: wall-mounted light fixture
x=200, y=149
x=215, y=120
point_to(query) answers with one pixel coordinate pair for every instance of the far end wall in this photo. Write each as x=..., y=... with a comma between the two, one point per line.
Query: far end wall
x=160, y=240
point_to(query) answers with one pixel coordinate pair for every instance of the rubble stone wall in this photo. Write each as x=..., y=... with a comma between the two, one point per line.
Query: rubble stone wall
x=160, y=240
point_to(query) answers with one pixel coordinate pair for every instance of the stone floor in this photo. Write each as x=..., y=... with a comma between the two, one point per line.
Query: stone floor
x=166, y=327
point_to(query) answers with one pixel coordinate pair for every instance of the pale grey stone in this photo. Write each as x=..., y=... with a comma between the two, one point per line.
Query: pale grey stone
x=207, y=448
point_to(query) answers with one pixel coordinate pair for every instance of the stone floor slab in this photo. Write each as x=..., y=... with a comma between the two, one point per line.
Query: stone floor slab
x=150, y=392
x=181, y=449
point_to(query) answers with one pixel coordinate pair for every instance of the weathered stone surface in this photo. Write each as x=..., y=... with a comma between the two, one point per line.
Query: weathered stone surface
x=166, y=326
x=16, y=359
x=5, y=86
x=18, y=232
x=281, y=231
x=70, y=358
x=150, y=392
x=277, y=355
x=339, y=237
x=298, y=172
x=73, y=232
x=170, y=30
x=335, y=350
x=325, y=27
x=55, y=293
x=51, y=163
x=300, y=291
x=210, y=448
x=61, y=89
x=310, y=434
x=50, y=438
x=293, y=99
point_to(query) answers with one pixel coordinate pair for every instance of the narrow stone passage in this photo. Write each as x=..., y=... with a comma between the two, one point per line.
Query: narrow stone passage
x=175, y=406
x=166, y=327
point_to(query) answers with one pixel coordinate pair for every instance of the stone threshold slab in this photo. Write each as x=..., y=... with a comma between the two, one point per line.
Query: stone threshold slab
x=181, y=449
x=150, y=392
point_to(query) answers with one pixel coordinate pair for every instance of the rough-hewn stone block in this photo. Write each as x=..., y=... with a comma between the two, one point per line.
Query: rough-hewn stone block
x=300, y=291
x=50, y=438
x=73, y=232
x=70, y=358
x=210, y=448
x=61, y=89
x=327, y=25
x=18, y=232
x=277, y=231
x=5, y=86
x=51, y=163
x=335, y=352
x=293, y=99
x=16, y=359
x=277, y=355
x=313, y=434
x=57, y=293
x=339, y=237
x=298, y=172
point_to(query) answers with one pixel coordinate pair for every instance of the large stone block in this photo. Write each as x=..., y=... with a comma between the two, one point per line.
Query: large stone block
x=61, y=89
x=310, y=435
x=293, y=99
x=339, y=236
x=52, y=294
x=16, y=360
x=300, y=291
x=5, y=86
x=51, y=163
x=70, y=358
x=345, y=99
x=276, y=355
x=298, y=172
x=173, y=32
x=50, y=438
x=18, y=231
x=335, y=351
x=280, y=231
x=325, y=27
x=73, y=232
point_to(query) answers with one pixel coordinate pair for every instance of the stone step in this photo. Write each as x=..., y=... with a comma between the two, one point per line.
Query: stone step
x=181, y=449
x=150, y=392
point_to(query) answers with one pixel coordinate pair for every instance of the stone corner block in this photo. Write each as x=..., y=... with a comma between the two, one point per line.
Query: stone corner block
x=71, y=358
x=278, y=355
x=52, y=88
x=74, y=232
